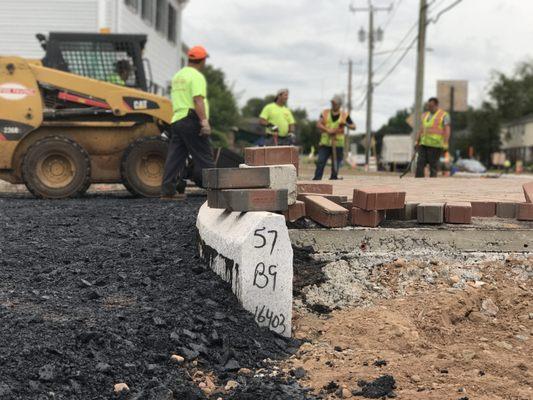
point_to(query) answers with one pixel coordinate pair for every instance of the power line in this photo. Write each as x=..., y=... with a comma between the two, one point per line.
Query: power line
x=444, y=11
x=393, y=14
x=404, y=54
x=400, y=43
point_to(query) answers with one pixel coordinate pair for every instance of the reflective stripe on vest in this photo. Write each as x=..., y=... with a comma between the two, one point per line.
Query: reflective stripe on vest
x=435, y=124
x=434, y=130
x=327, y=120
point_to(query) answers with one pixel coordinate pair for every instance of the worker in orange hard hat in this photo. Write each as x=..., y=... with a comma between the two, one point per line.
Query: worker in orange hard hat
x=190, y=130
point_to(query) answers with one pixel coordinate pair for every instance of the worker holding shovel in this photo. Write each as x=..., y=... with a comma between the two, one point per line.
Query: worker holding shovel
x=332, y=124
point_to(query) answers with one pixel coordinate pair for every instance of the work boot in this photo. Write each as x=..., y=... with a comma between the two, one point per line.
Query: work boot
x=173, y=197
x=181, y=186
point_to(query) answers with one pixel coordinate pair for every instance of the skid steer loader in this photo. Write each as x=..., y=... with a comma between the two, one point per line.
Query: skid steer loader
x=82, y=115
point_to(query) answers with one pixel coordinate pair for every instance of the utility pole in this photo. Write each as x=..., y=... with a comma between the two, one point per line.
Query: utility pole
x=372, y=37
x=349, y=105
x=350, y=73
x=370, y=84
x=421, y=53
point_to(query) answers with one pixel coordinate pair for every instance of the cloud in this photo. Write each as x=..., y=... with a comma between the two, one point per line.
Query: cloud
x=265, y=44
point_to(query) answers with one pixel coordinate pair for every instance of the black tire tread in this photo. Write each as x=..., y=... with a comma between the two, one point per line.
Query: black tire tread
x=123, y=163
x=87, y=178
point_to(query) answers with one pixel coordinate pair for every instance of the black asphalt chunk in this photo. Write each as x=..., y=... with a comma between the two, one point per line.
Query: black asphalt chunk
x=104, y=289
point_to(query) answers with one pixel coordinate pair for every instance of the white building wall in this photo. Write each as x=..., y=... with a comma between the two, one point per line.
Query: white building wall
x=20, y=20
x=164, y=56
x=518, y=135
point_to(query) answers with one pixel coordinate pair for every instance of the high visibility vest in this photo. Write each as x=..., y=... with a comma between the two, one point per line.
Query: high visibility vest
x=327, y=120
x=433, y=133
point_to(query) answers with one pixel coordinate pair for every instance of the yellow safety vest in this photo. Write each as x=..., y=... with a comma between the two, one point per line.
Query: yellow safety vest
x=433, y=134
x=327, y=120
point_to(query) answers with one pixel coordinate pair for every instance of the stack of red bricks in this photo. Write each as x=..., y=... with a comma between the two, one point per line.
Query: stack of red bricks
x=252, y=187
x=372, y=205
x=368, y=207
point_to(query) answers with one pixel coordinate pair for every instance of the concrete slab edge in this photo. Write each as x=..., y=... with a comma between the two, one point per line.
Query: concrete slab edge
x=401, y=240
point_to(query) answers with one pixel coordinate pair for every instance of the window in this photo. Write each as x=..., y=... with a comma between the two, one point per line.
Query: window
x=133, y=5
x=160, y=13
x=171, y=31
x=147, y=11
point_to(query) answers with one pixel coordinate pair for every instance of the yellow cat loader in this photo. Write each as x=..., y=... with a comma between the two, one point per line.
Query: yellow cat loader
x=61, y=131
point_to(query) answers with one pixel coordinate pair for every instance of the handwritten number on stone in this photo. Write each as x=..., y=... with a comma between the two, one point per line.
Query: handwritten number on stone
x=273, y=273
x=274, y=241
x=274, y=321
x=283, y=324
x=261, y=236
x=260, y=279
x=264, y=240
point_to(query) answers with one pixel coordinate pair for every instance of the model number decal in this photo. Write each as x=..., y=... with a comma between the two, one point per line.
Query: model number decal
x=140, y=104
x=14, y=130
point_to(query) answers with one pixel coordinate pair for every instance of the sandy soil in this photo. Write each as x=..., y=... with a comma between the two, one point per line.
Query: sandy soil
x=438, y=343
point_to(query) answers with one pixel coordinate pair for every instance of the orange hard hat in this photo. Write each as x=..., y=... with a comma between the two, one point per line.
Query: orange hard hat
x=197, y=53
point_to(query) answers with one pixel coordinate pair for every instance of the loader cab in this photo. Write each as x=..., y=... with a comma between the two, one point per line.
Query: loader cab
x=113, y=58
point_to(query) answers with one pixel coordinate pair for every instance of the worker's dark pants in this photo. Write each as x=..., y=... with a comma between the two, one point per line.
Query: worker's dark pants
x=185, y=139
x=324, y=153
x=428, y=155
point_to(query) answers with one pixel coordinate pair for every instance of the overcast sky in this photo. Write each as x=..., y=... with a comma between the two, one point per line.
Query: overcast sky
x=263, y=45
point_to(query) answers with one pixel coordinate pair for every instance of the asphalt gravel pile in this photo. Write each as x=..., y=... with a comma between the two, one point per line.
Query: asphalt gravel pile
x=104, y=290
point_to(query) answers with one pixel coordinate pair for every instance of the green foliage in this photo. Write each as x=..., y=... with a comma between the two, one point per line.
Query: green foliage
x=224, y=113
x=484, y=124
x=254, y=106
x=512, y=96
x=397, y=125
x=309, y=135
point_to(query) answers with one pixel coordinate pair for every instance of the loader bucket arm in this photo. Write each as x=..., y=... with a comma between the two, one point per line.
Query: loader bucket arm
x=119, y=99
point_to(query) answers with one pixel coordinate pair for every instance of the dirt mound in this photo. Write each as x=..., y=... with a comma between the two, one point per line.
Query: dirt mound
x=104, y=290
x=451, y=336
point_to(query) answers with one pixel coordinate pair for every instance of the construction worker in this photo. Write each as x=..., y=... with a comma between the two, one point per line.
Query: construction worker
x=331, y=125
x=278, y=120
x=190, y=130
x=121, y=74
x=433, y=138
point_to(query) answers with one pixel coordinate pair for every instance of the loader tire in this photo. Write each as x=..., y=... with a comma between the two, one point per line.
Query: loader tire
x=143, y=165
x=56, y=168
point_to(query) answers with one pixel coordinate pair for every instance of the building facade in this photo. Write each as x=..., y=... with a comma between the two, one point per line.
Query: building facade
x=517, y=139
x=160, y=20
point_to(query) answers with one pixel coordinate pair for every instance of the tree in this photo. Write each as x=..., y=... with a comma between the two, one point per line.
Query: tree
x=397, y=125
x=254, y=106
x=224, y=113
x=512, y=96
x=484, y=124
